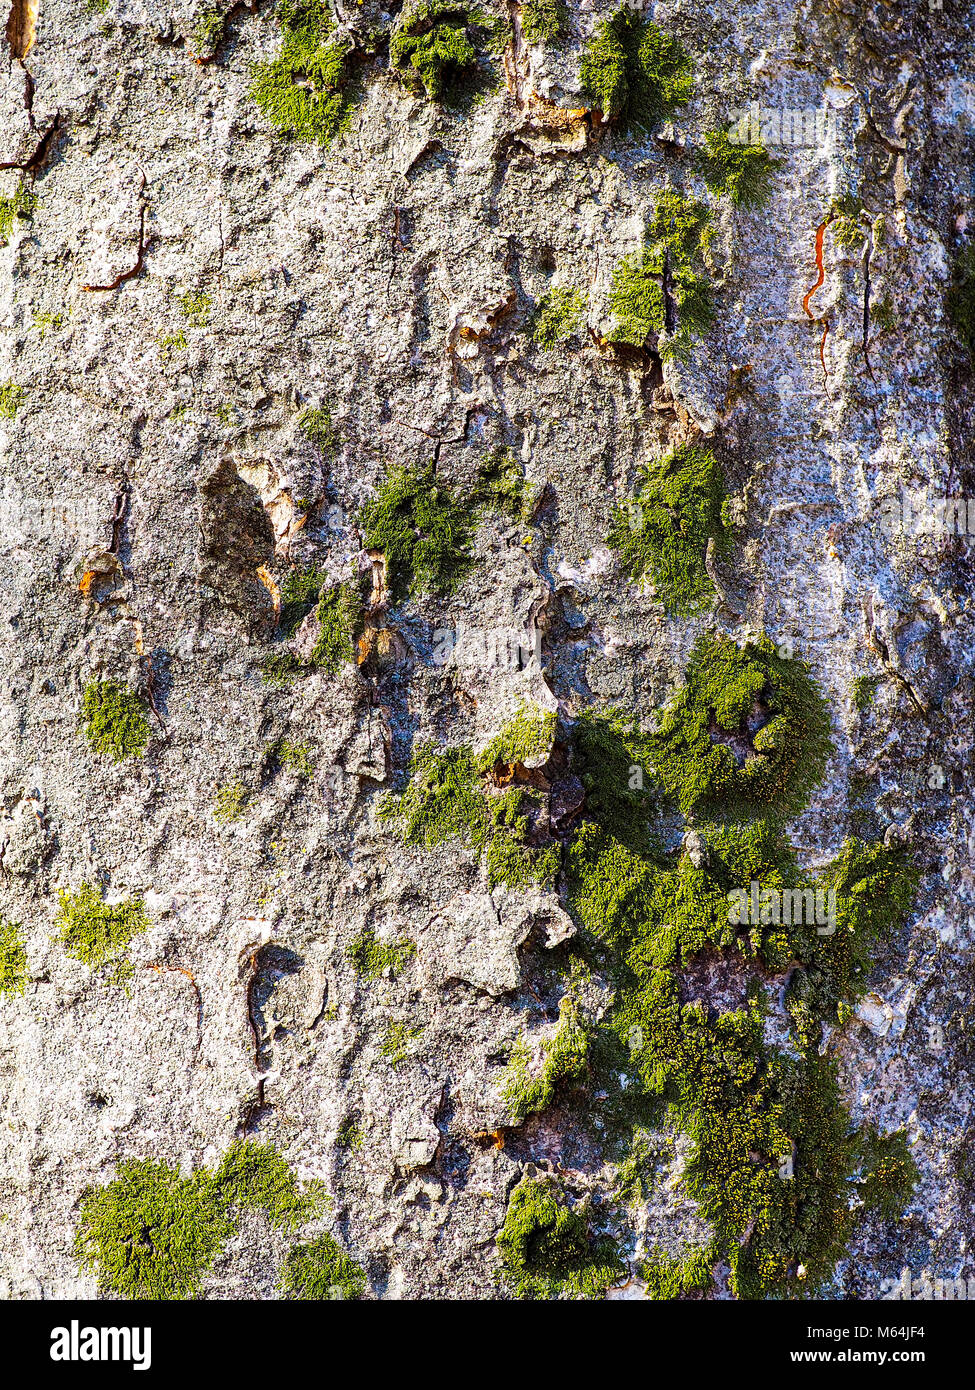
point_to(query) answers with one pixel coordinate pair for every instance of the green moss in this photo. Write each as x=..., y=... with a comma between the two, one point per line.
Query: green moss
x=21, y=204
x=316, y=424
x=305, y=91
x=542, y=21
x=195, y=306
x=170, y=343
x=232, y=801
x=864, y=690
x=634, y=73
x=296, y=756
x=279, y=668
x=372, y=956
x=423, y=529
x=559, y=317
x=526, y=739
x=299, y=593
x=152, y=1234
x=255, y=1176
x=747, y=735
x=661, y=290
x=546, y=1248
x=98, y=933
x=667, y=1277
x=13, y=959
x=339, y=613
x=115, y=720
x=884, y=313
x=437, y=44
x=207, y=29
x=663, y=534
x=500, y=485
x=961, y=297
x=742, y=172
x=398, y=1041
x=535, y=1072
x=447, y=797
x=350, y=1134
x=611, y=757
x=321, y=1269
x=11, y=399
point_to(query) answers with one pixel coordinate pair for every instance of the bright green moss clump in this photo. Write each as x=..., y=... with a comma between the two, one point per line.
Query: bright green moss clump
x=543, y=20
x=304, y=91
x=423, y=529
x=232, y=801
x=536, y=1072
x=115, y=720
x=743, y=172
x=321, y=1269
x=559, y=317
x=436, y=45
x=526, y=740
x=316, y=424
x=546, y=1249
x=372, y=956
x=961, y=297
x=747, y=735
x=663, y=533
x=661, y=291
x=634, y=73
x=339, y=612
x=152, y=1234
x=20, y=204
x=96, y=932
x=449, y=796
x=13, y=959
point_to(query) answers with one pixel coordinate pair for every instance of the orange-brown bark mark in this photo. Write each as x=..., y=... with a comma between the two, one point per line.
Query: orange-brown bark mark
x=22, y=26
x=820, y=280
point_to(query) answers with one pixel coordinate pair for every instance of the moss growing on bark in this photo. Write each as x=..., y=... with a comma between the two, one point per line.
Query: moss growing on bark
x=321, y=1269
x=634, y=73
x=373, y=957
x=559, y=316
x=303, y=92
x=747, y=735
x=424, y=529
x=663, y=534
x=542, y=21
x=546, y=1248
x=661, y=291
x=20, y=204
x=13, y=959
x=95, y=932
x=537, y=1070
x=436, y=45
x=742, y=172
x=115, y=720
x=153, y=1234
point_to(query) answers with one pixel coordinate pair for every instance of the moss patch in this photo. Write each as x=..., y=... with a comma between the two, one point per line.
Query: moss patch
x=536, y=1070
x=115, y=720
x=546, y=1248
x=742, y=172
x=98, y=933
x=634, y=73
x=436, y=45
x=304, y=92
x=747, y=735
x=13, y=959
x=559, y=316
x=152, y=1234
x=662, y=291
x=542, y=21
x=232, y=801
x=372, y=956
x=662, y=535
x=18, y=205
x=321, y=1269
x=316, y=424
x=339, y=613
x=424, y=530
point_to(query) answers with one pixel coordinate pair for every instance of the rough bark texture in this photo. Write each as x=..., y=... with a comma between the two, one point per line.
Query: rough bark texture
x=159, y=486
